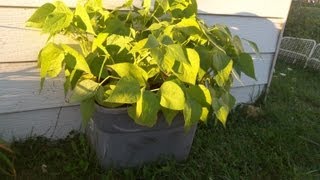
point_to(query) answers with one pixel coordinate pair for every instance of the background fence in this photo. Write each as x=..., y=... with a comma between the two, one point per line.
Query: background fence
x=300, y=51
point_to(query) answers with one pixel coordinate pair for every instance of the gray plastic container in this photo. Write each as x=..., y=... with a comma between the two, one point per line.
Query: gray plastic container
x=119, y=142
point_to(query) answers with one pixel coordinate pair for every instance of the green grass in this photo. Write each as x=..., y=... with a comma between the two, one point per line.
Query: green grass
x=303, y=22
x=282, y=142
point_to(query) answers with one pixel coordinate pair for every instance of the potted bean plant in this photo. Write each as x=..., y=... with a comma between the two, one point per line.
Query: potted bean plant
x=144, y=76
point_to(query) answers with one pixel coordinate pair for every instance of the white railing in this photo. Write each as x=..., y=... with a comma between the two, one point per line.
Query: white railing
x=314, y=60
x=296, y=50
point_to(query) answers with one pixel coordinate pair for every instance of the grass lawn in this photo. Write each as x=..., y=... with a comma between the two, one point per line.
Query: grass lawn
x=303, y=21
x=281, y=141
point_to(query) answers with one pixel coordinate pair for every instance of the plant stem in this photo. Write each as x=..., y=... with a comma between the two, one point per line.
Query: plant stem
x=107, y=79
x=153, y=90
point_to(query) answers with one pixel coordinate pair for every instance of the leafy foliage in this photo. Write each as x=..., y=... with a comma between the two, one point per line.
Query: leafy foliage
x=287, y=125
x=154, y=57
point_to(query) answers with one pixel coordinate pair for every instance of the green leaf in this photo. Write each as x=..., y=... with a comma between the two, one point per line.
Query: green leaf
x=192, y=112
x=59, y=19
x=75, y=60
x=145, y=112
x=128, y=3
x=169, y=114
x=222, y=77
x=221, y=34
x=157, y=26
x=164, y=63
x=127, y=91
x=223, y=65
x=87, y=109
x=222, y=113
x=223, y=28
x=98, y=67
x=254, y=46
x=152, y=42
x=190, y=27
x=121, y=41
x=98, y=41
x=140, y=45
x=222, y=106
x=228, y=100
x=39, y=16
x=164, y=4
x=94, y=5
x=182, y=8
x=115, y=26
x=50, y=60
x=74, y=77
x=188, y=72
x=172, y=96
x=152, y=70
x=103, y=94
x=132, y=70
x=246, y=65
x=85, y=89
x=219, y=59
x=175, y=52
x=166, y=40
x=205, y=60
x=238, y=44
x=83, y=15
x=147, y=5
x=202, y=96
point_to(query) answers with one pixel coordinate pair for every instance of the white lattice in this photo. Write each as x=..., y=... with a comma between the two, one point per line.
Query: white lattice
x=314, y=60
x=296, y=50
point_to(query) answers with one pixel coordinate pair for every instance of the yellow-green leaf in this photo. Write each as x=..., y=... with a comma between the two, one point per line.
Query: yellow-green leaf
x=201, y=95
x=132, y=70
x=50, y=60
x=188, y=72
x=145, y=112
x=83, y=15
x=172, y=96
x=98, y=42
x=59, y=19
x=222, y=106
x=175, y=52
x=127, y=91
x=75, y=60
x=223, y=75
x=39, y=16
x=222, y=114
x=190, y=27
x=164, y=63
x=85, y=89
x=140, y=45
x=147, y=5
